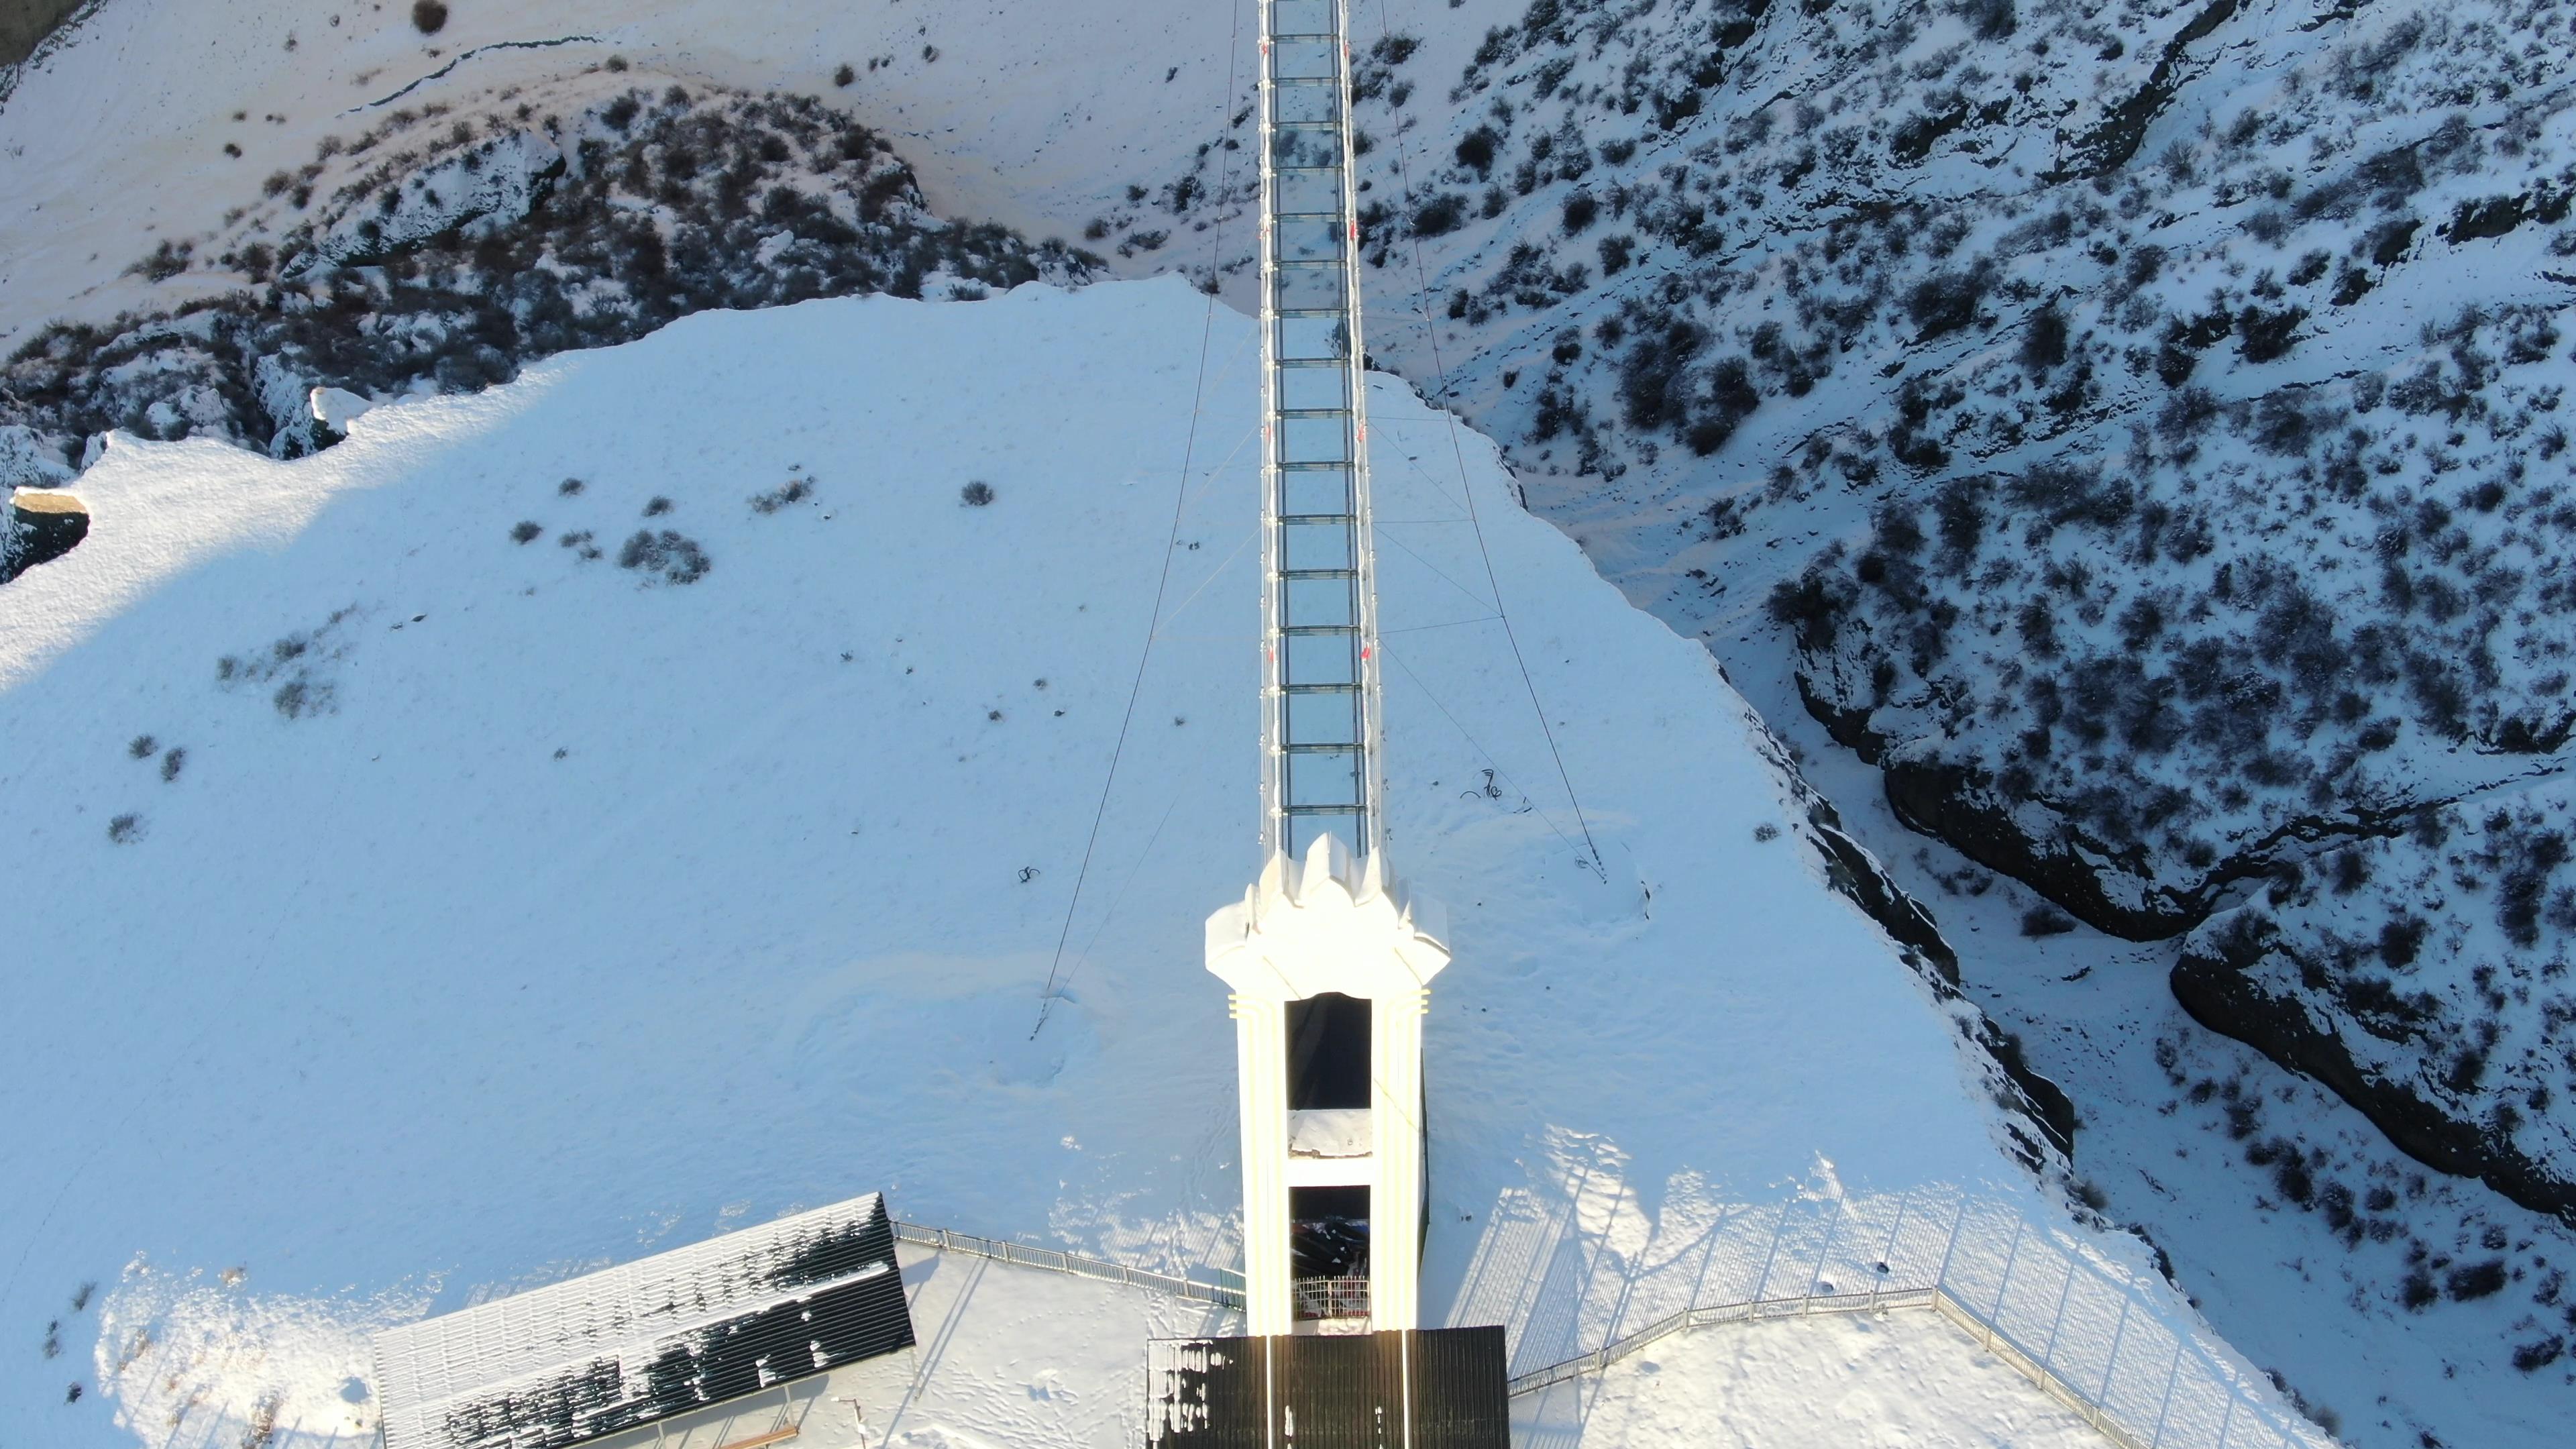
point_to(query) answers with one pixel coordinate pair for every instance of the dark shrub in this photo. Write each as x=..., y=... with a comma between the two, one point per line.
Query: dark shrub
x=1944, y=303
x=2045, y=921
x=844, y=76
x=2044, y=345
x=2265, y=335
x=1580, y=208
x=428, y=16
x=1440, y=215
x=794, y=490
x=1989, y=19
x=675, y=557
x=2476, y=1280
x=1811, y=608
x=1650, y=370
x=526, y=531
x=976, y=494
x=1476, y=149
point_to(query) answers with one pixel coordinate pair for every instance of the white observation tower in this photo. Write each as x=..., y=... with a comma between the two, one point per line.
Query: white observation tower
x=1328, y=961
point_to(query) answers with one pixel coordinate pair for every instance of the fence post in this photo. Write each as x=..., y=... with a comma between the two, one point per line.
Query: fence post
x=1779, y=1225
x=2167, y=1406
x=2111, y=1362
x=2228, y=1422
x=2012, y=1255
x=1885, y=1263
x=1958, y=1224
x=1833, y=1220
x=2048, y=1355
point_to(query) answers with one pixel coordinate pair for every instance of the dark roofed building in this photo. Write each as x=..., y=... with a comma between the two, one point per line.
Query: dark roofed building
x=1440, y=1388
x=665, y=1335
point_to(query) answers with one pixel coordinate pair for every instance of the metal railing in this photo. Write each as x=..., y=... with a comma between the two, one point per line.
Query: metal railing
x=2100, y=1343
x=1223, y=1286
x=1330, y=1298
x=2095, y=1341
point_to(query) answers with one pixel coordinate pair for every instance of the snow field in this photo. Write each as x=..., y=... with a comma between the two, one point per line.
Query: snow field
x=513, y=907
x=1892, y=1381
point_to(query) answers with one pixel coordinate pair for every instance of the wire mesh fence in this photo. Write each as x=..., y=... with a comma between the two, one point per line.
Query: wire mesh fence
x=2099, y=1340
x=2120, y=1351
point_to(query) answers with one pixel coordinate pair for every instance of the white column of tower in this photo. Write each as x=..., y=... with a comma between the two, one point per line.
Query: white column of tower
x=1325, y=916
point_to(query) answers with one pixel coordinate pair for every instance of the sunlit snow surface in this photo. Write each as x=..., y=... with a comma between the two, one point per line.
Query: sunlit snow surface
x=511, y=911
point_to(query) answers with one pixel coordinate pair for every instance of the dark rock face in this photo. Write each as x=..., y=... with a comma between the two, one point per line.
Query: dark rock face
x=2098, y=882
x=2247, y=985
x=25, y=23
x=38, y=531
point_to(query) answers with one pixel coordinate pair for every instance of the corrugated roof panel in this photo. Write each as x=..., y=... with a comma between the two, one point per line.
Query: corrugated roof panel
x=1441, y=1388
x=713, y=1321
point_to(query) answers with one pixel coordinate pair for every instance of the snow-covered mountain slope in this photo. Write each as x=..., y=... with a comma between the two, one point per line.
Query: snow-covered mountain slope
x=2160, y=136
x=1740, y=276
x=437, y=253
x=1954, y=287
x=648, y=794
x=154, y=120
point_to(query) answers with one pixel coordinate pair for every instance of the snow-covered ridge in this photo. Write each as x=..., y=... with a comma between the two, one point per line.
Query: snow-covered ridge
x=438, y=252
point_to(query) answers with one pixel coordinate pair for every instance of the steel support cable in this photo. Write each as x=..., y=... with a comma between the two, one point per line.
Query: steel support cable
x=1431, y=335
x=1161, y=630
x=1162, y=584
x=1473, y=743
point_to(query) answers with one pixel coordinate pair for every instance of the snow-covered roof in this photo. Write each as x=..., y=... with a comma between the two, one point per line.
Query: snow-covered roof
x=610, y=1350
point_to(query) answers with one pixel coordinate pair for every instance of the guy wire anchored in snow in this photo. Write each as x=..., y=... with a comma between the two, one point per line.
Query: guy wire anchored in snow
x=1180, y=497
x=1458, y=455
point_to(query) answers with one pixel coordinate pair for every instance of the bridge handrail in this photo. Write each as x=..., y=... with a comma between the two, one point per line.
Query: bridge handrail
x=1226, y=1289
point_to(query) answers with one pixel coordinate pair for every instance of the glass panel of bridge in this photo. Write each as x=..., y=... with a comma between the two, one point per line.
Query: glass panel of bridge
x=1314, y=339
x=1323, y=719
x=1315, y=440
x=1292, y=104
x=1313, y=387
x=1315, y=492
x=1308, y=288
x=1315, y=546
x=1309, y=241
x=1303, y=59
x=1303, y=830
x=1295, y=191
x=1319, y=603
x=1324, y=778
x=1322, y=659
x=1301, y=17
x=1320, y=147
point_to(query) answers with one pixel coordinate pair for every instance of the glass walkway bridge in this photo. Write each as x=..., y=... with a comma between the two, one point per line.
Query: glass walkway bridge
x=1320, y=722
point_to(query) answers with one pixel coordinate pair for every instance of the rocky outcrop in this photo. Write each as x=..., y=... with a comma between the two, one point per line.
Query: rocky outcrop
x=378, y=271
x=2106, y=886
x=25, y=23
x=40, y=526
x=2250, y=983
